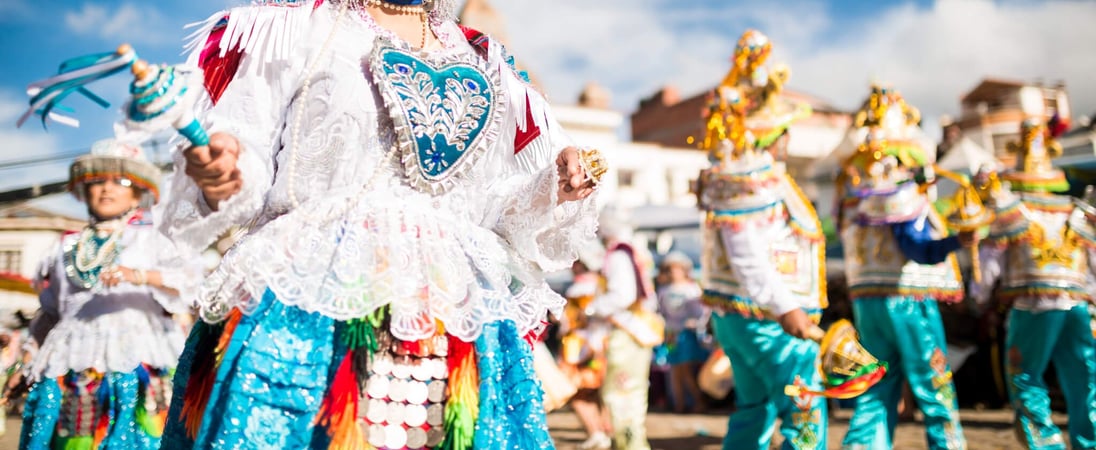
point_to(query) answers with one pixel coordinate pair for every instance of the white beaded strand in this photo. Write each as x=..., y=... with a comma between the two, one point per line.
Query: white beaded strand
x=295, y=129
x=295, y=139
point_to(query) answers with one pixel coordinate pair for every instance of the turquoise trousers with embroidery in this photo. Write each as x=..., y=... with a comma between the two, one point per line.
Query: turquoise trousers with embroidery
x=906, y=333
x=1066, y=338
x=765, y=359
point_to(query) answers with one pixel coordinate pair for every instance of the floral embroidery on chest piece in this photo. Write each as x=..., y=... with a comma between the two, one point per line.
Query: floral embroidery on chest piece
x=445, y=109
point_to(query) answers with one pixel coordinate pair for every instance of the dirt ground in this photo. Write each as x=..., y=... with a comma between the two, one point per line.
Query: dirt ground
x=985, y=430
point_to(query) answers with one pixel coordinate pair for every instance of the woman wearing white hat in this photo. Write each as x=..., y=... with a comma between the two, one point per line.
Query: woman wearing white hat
x=108, y=344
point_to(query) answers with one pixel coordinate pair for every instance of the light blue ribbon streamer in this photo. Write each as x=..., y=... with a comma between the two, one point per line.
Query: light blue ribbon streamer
x=73, y=75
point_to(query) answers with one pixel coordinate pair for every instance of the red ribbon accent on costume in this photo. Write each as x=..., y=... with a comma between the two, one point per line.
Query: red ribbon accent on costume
x=339, y=410
x=523, y=138
x=218, y=70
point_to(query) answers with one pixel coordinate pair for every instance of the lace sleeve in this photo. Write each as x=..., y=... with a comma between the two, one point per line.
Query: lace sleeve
x=251, y=60
x=529, y=218
x=48, y=283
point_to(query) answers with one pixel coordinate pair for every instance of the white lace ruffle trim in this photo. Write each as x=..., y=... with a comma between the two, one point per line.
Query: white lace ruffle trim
x=117, y=342
x=392, y=248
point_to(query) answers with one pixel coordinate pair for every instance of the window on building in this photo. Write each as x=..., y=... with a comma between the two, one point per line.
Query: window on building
x=11, y=260
x=625, y=178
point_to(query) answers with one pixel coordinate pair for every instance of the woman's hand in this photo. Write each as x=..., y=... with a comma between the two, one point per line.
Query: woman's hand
x=574, y=183
x=213, y=168
x=113, y=276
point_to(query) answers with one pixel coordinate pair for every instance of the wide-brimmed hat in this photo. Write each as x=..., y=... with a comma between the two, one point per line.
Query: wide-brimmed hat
x=678, y=258
x=112, y=158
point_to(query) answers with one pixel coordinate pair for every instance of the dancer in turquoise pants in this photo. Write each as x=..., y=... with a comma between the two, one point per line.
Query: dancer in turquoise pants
x=766, y=359
x=898, y=265
x=1040, y=251
x=762, y=266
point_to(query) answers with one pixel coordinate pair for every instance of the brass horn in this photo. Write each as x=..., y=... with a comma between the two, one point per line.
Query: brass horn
x=969, y=214
x=847, y=369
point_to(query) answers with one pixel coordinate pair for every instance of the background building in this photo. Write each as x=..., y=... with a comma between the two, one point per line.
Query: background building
x=29, y=230
x=667, y=119
x=991, y=113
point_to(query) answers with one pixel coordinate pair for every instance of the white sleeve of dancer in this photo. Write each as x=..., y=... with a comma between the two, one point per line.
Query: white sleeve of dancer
x=253, y=108
x=525, y=208
x=748, y=255
x=620, y=290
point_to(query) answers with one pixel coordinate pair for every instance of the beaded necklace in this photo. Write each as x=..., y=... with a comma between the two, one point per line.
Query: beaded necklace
x=94, y=250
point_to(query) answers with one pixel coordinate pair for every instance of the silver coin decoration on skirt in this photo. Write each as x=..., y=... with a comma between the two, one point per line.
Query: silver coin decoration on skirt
x=416, y=438
x=375, y=435
x=414, y=416
x=395, y=436
x=402, y=404
x=435, y=391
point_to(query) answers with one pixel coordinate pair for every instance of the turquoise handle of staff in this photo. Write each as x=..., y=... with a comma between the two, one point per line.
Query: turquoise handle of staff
x=195, y=133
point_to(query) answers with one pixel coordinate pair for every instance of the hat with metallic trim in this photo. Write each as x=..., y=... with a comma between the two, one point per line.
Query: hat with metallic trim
x=110, y=158
x=1034, y=151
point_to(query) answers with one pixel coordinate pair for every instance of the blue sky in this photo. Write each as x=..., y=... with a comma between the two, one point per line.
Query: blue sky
x=933, y=51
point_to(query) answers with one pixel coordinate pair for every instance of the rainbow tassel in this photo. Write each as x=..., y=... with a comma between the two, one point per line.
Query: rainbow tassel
x=339, y=410
x=360, y=337
x=462, y=409
x=153, y=424
x=203, y=373
x=231, y=322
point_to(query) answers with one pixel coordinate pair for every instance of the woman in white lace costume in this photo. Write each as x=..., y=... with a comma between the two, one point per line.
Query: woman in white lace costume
x=107, y=341
x=404, y=189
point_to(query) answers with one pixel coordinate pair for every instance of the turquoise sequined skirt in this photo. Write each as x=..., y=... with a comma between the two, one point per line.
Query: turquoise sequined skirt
x=88, y=409
x=281, y=362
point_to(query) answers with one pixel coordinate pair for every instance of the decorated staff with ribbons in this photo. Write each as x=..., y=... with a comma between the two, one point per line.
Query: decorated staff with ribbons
x=404, y=189
x=899, y=263
x=762, y=266
x=107, y=342
x=1040, y=254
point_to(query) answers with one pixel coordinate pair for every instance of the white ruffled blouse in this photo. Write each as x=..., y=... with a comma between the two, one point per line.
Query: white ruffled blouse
x=340, y=221
x=111, y=329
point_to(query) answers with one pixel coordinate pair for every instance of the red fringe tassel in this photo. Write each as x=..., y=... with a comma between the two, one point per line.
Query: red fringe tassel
x=339, y=411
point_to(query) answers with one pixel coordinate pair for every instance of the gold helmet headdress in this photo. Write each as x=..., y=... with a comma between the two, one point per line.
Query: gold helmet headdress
x=1034, y=151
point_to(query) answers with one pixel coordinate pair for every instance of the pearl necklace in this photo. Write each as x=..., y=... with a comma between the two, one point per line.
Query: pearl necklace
x=86, y=258
x=402, y=9
x=419, y=10
x=90, y=256
x=378, y=171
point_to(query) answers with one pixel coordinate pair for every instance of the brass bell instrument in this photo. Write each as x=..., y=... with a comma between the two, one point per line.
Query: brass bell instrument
x=847, y=369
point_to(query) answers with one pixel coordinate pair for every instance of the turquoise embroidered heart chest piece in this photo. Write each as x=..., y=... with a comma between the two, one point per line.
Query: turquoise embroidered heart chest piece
x=444, y=112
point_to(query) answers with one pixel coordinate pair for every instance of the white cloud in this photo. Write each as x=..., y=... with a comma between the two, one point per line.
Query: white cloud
x=126, y=22
x=932, y=55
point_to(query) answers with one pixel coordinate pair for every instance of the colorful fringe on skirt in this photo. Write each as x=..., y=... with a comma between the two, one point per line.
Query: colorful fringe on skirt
x=281, y=377
x=92, y=410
